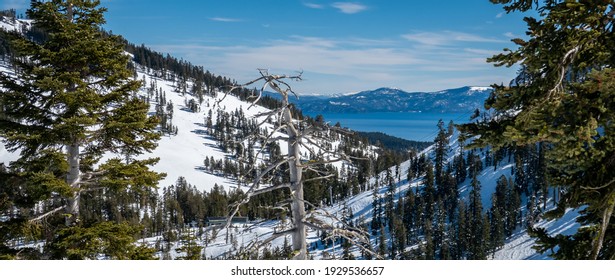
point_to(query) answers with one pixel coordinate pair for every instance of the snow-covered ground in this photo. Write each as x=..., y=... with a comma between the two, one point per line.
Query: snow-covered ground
x=9, y=24
x=519, y=245
x=183, y=154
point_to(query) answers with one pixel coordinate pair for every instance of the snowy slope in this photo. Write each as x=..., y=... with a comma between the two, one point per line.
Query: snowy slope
x=183, y=154
x=517, y=247
x=10, y=24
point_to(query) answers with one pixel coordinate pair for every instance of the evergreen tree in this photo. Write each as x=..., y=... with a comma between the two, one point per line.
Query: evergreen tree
x=476, y=245
x=376, y=211
x=564, y=97
x=190, y=247
x=429, y=193
x=73, y=101
x=440, y=150
x=409, y=216
x=429, y=246
x=462, y=232
x=389, y=198
x=382, y=242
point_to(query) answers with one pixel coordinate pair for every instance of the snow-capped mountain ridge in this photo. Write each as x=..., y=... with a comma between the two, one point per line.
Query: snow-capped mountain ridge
x=457, y=100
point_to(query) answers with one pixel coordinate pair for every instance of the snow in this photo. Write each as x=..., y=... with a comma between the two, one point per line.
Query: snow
x=479, y=88
x=338, y=103
x=519, y=245
x=5, y=156
x=10, y=24
x=183, y=154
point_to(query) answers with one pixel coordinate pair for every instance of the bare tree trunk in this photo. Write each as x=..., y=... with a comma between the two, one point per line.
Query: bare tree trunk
x=295, y=140
x=73, y=179
x=297, y=204
x=606, y=217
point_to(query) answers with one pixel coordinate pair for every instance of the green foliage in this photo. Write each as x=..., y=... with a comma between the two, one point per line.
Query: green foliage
x=392, y=142
x=73, y=100
x=106, y=240
x=563, y=98
x=190, y=247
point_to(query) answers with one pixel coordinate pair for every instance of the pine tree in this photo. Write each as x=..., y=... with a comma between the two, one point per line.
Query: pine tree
x=429, y=193
x=409, y=216
x=389, y=198
x=564, y=97
x=190, y=247
x=73, y=101
x=476, y=246
x=462, y=231
x=382, y=242
x=441, y=145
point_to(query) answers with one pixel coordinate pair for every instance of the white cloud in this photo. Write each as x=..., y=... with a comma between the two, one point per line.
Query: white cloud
x=349, y=7
x=482, y=52
x=510, y=35
x=499, y=15
x=223, y=19
x=347, y=64
x=313, y=5
x=447, y=38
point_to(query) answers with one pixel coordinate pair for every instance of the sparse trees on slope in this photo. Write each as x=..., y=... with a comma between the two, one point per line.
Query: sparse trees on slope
x=73, y=101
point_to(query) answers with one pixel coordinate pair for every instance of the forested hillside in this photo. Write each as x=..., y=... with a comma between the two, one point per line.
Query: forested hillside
x=197, y=166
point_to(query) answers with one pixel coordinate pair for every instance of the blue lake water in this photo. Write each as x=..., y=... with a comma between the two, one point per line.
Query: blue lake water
x=411, y=126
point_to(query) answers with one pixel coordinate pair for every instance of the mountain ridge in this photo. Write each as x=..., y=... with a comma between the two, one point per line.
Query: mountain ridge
x=456, y=100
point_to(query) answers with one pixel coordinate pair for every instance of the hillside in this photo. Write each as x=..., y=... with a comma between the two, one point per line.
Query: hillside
x=517, y=246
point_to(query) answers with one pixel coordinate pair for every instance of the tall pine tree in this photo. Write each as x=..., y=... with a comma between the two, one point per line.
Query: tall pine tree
x=564, y=97
x=73, y=101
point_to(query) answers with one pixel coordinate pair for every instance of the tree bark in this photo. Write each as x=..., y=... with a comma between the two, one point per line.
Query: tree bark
x=297, y=205
x=73, y=179
x=606, y=217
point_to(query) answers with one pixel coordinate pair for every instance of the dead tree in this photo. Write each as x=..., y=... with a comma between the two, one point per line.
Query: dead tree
x=299, y=137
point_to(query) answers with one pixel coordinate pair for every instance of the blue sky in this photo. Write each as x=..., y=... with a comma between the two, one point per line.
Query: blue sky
x=340, y=46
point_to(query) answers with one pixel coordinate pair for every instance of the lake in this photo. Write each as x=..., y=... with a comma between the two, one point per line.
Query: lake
x=411, y=126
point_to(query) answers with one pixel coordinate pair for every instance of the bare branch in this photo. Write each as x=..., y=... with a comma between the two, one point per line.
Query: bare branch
x=47, y=214
x=349, y=234
x=319, y=178
x=570, y=54
x=601, y=187
x=259, y=244
x=269, y=189
x=254, y=188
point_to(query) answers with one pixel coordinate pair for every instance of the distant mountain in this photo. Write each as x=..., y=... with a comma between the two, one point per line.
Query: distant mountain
x=458, y=100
